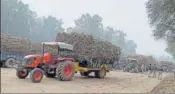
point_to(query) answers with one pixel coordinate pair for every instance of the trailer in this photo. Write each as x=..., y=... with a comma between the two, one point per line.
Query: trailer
x=99, y=70
x=8, y=59
x=13, y=49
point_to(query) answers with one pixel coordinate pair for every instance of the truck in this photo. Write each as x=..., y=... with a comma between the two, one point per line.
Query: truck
x=8, y=59
x=13, y=49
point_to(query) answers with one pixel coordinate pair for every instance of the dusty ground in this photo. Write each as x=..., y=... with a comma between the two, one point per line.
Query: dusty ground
x=165, y=86
x=115, y=82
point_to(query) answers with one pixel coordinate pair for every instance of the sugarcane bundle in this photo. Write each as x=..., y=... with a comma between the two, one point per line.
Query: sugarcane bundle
x=36, y=48
x=85, y=46
x=144, y=59
x=14, y=44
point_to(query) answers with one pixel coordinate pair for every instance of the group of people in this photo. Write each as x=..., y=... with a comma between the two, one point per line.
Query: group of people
x=154, y=70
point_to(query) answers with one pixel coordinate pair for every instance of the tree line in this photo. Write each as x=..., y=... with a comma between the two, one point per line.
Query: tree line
x=162, y=18
x=18, y=20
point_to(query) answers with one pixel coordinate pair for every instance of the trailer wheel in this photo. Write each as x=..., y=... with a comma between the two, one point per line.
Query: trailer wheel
x=10, y=62
x=65, y=71
x=21, y=74
x=36, y=75
x=100, y=73
x=49, y=75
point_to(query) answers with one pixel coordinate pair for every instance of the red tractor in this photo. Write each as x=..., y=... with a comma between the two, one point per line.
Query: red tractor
x=58, y=63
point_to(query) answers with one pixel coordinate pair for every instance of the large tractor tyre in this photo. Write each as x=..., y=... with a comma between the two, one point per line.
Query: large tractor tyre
x=10, y=62
x=65, y=71
x=36, y=75
x=84, y=73
x=100, y=73
x=22, y=74
x=49, y=75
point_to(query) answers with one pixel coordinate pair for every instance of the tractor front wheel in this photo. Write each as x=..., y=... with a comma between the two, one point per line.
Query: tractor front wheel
x=22, y=74
x=36, y=75
x=65, y=71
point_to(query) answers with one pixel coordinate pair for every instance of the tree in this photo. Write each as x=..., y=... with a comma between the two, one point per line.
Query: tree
x=109, y=33
x=90, y=24
x=18, y=20
x=50, y=27
x=15, y=18
x=130, y=47
x=162, y=17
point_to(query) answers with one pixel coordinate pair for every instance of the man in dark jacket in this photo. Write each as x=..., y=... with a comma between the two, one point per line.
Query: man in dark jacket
x=154, y=70
x=149, y=70
x=124, y=67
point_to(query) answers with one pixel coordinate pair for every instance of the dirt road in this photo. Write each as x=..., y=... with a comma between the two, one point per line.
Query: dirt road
x=115, y=82
x=165, y=86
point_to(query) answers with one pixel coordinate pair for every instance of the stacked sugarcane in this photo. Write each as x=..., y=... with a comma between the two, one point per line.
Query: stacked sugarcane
x=95, y=51
x=146, y=60
x=36, y=48
x=167, y=65
x=14, y=44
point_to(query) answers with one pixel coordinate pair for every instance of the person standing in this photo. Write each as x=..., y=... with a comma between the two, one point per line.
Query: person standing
x=154, y=70
x=174, y=72
x=142, y=68
x=149, y=70
x=124, y=67
x=160, y=72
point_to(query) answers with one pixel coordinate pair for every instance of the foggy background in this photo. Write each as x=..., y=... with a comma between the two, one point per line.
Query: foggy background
x=128, y=16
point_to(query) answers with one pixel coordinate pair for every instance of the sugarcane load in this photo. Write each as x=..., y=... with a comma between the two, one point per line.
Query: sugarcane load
x=88, y=48
x=13, y=48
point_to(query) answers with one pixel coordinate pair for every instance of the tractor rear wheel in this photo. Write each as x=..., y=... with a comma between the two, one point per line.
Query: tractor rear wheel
x=65, y=71
x=22, y=74
x=100, y=73
x=36, y=75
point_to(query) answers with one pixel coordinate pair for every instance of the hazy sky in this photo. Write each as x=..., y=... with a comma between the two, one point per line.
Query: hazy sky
x=127, y=15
